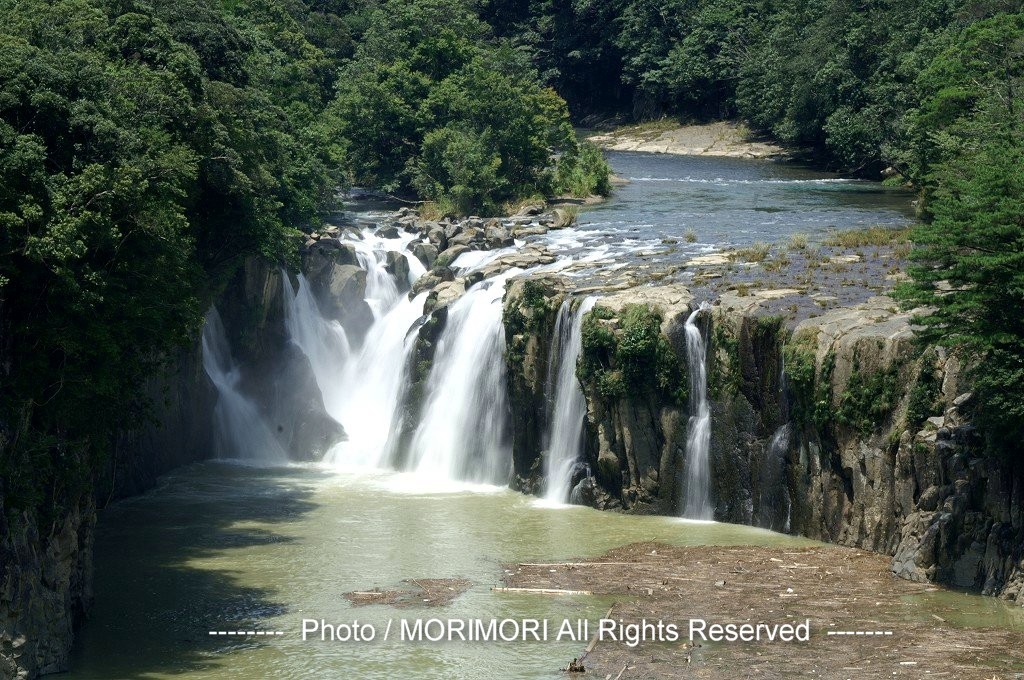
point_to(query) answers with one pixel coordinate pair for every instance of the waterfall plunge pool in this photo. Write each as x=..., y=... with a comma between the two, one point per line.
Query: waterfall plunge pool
x=221, y=546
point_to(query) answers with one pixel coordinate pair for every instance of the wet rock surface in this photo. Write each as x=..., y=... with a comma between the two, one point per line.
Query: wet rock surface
x=45, y=589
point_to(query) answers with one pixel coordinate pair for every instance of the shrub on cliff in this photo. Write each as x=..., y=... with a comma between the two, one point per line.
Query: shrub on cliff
x=630, y=358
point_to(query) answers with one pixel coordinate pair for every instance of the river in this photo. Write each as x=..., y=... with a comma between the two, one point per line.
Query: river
x=225, y=546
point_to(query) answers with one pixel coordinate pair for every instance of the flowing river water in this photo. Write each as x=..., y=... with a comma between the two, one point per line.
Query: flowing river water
x=227, y=546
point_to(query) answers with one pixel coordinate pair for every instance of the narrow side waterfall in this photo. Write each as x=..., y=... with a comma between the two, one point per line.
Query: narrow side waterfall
x=463, y=433
x=773, y=480
x=240, y=432
x=568, y=407
x=697, y=492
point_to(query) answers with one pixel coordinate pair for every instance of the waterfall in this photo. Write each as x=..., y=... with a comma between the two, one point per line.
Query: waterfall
x=697, y=492
x=568, y=407
x=372, y=382
x=773, y=490
x=463, y=433
x=239, y=430
x=382, y=291
x=322, y=340
x=361, y=388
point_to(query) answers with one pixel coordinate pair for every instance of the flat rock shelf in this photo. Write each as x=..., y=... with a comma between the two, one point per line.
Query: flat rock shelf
x=841, y=590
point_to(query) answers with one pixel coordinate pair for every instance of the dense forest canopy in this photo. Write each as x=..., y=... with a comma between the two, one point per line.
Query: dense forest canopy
x=147, y=145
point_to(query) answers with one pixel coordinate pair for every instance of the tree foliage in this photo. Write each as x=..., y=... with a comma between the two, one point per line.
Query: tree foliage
x=970, y=253
x=431, y=102
x=144, y=147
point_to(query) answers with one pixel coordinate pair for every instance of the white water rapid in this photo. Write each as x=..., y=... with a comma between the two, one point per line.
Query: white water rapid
x=697, y=492
x=240, y=431
x=568, y=406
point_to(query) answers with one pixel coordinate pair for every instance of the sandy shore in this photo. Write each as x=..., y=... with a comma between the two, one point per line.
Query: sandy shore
x=711, y=139
x=838, y=589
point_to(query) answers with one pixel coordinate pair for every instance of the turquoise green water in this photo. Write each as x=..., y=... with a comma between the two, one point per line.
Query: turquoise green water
x=223, y=547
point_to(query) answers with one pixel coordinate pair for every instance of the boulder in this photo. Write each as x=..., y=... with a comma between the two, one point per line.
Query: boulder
x=563, y=218
x=301, y=421
x=437, y=237
x=530, y=210
x=452, y=229
x=497, y=236
x=450, y=255
x=336, y=250
x=425, y=253
x=431, y=279
x=444, y=294
x=389, y=231
x=322, y=256
x=397, y=265
x=345, y=285
x=468, y=236
x=535, y=230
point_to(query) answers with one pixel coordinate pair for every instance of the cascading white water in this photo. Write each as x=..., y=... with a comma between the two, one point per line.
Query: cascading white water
x=697, y=492
x=568, y=407
x=462, y=435
x=362, y=386
x=240, y=432
x=322, y=340
x=372, y=393
x=382, y=290
x=361, y=389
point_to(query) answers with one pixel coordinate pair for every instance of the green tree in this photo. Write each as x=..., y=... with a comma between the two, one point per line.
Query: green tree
x=431, y=104
x=969, y=254
x=970, y=272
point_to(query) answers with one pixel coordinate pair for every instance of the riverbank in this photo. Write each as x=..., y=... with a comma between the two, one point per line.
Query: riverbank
x=723, y=139
x=906, y=629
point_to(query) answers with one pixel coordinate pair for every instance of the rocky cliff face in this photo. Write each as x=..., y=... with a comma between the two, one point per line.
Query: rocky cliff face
x=44, y=588
x=531, y=308
x=840, y=429
x=276, y=374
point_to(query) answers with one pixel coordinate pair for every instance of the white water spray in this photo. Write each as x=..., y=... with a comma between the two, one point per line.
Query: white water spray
x=569, y=407
x=697, y=492
x=240, y=432
x=322, y=340
x=462, y=435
